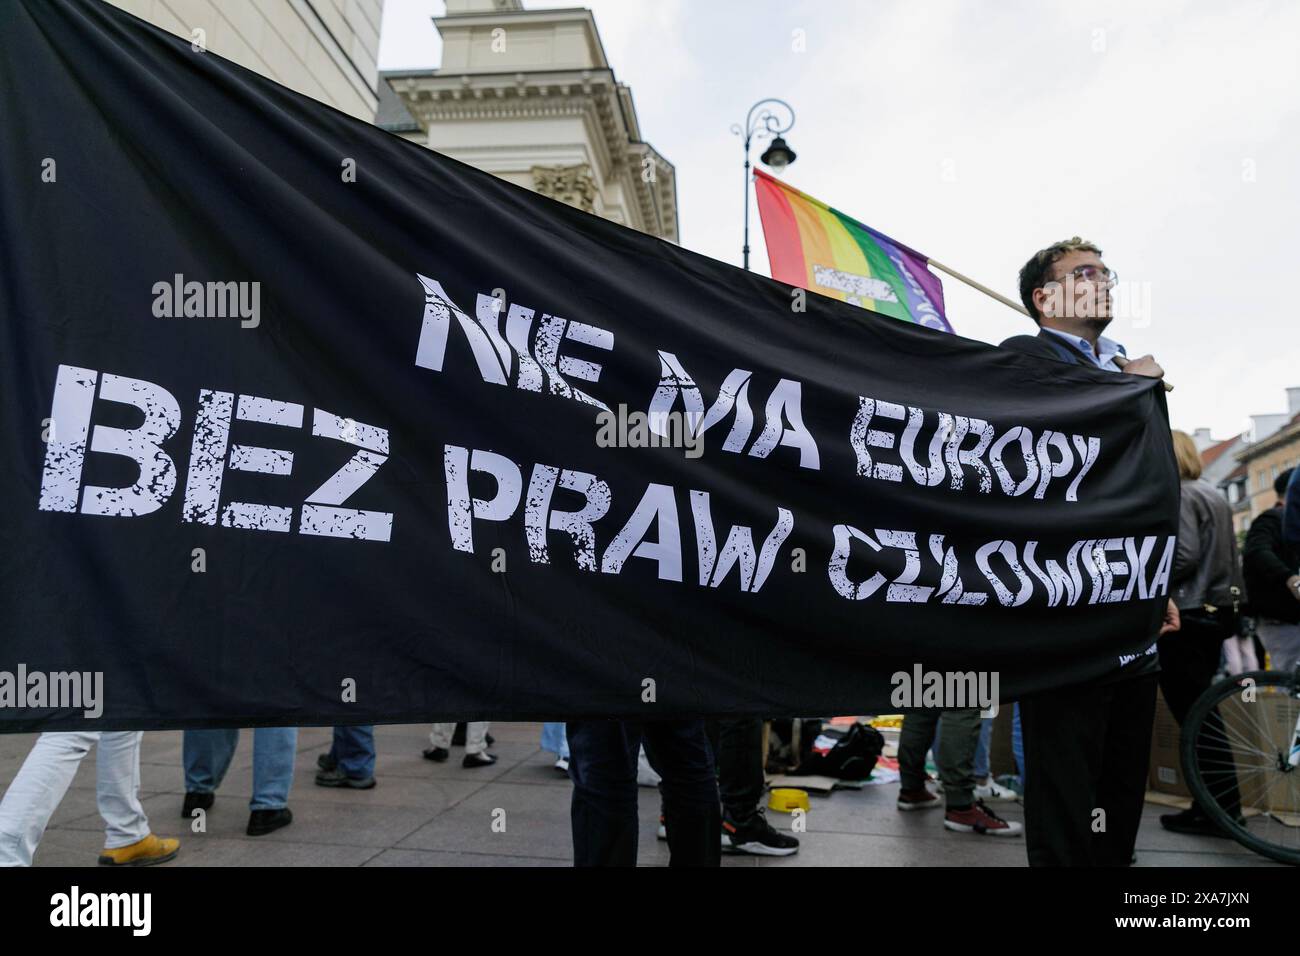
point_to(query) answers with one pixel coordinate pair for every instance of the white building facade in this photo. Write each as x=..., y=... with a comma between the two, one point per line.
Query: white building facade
x=325, y=49
x=529, y=96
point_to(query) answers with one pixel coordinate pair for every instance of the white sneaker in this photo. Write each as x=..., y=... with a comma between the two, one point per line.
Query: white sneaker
x=645, y=774
x=562, y=764
x=995, y=791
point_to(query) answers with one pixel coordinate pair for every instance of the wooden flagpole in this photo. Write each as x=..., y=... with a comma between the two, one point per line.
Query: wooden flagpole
x=980, y=286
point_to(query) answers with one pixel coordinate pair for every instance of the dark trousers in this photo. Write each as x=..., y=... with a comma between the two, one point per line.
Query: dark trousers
x=739, y=747
x=1086, y=750
x=1189, y=659
x=602, y=766
x=954, y=758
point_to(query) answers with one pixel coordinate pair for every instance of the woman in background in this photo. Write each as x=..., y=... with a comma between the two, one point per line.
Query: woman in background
x=1206, y=587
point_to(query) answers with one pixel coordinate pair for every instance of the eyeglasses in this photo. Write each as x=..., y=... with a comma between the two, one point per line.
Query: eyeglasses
x=1095, y=274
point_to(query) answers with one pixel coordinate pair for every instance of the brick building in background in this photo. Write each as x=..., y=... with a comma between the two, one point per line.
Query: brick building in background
x=1246, y=465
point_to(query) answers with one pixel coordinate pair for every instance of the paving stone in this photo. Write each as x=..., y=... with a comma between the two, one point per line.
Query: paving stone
x=536, y=823
x=444, y=858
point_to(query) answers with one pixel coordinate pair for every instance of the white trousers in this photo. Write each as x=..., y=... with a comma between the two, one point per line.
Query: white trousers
x=36, y=791
x=475, y=736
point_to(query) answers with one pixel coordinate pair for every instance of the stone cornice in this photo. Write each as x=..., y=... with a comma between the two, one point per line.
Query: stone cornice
x=505, y=83
x=436, y=97
x=593, y=95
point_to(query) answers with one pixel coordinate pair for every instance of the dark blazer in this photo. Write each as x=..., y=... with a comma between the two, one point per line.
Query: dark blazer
x=1047, y=345
x=1291, y=519
x=1269, y=561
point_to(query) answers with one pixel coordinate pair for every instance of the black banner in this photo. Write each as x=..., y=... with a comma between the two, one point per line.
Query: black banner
x=304, y=424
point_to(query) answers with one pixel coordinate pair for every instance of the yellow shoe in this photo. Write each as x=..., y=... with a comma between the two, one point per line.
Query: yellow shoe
x=146, y=852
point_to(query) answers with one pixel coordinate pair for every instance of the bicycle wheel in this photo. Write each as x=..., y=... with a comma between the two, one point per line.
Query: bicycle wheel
x=1237, y=745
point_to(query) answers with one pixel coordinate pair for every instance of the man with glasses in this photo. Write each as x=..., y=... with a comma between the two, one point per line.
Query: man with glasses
x=1086, y=746
x=1067, y=290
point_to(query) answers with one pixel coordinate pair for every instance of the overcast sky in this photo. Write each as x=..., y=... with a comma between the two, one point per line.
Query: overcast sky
x=1167, y=132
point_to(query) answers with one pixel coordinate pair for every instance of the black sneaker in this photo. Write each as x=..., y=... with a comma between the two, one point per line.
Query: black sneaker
x=483, y=759
x=196, y=801
x=1193, y=821
x=755, y=835
x=437, y=754
x=262, y=822
x=326, y=762
x=337, y=778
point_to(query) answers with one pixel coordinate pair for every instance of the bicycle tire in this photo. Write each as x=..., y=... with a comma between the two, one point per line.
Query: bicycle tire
x=1194, y=726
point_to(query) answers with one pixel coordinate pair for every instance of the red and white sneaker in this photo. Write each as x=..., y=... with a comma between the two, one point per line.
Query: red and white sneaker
x=978, y=818
x=922, y=799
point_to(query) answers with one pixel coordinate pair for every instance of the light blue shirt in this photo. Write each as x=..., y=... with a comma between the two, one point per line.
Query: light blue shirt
x=1104, y=357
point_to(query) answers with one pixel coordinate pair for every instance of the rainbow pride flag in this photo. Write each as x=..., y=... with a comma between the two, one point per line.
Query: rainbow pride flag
x=816, y=247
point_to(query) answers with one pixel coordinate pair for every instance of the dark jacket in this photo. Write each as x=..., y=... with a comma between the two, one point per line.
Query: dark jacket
x=1291, y=520
x=1046, y=345
x=1206, y=567
x=1269, y=561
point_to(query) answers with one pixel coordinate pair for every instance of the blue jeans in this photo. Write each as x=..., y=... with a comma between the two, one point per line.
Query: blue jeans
x=1017, y=742
x=207, y=755
x=554, y=740
x=602, y=766
x=354, y=751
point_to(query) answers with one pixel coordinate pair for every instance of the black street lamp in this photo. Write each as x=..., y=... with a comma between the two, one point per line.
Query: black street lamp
x=778, y=155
